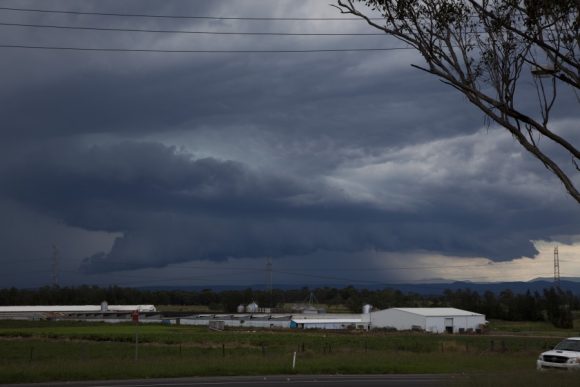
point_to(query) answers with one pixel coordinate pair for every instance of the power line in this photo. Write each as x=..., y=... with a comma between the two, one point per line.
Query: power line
x=359, y=280
x=421, y=267
x=184, y=16
x=192, y=32
x=17, y=262
x=147, y=50
x=201, y=278
x=206, y=278
x=137, y=266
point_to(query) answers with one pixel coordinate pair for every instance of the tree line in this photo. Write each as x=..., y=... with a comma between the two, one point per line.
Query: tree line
x=552, y=304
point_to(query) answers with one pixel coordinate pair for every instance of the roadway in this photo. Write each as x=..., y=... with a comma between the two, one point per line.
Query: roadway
x=265, y=381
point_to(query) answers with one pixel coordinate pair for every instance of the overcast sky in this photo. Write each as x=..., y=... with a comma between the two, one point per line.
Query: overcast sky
x=192, y=168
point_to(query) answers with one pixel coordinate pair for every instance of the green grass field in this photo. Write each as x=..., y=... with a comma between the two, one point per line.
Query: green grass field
x=56, y=351
x=533, y=328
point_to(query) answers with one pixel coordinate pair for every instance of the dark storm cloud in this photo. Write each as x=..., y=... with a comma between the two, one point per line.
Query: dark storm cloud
x=140, y=176
x=171, y=208
x=312, y=95
x=334, y=152
x=303, y=101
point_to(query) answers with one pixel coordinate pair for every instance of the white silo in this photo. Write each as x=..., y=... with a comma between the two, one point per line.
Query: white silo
x=252, y=308
x=366, y=309
x=241, y=308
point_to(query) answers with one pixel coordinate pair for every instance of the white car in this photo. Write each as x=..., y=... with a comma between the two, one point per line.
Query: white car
x=565, y=356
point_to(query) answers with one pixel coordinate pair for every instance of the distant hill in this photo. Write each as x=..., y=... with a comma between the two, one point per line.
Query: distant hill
x=495, y=287
x=549, y=279
x=568, y=284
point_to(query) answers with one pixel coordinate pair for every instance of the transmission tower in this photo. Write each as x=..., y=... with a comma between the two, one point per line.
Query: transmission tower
x=55, y=262
x=556, y=267
x=311, y=300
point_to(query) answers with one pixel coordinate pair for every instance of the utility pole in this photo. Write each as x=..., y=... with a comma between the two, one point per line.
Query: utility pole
x=55, y=262
x=556, y=267
x=269, y=278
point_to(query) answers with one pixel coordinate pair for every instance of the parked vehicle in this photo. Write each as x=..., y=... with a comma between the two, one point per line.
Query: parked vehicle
x=566, y=356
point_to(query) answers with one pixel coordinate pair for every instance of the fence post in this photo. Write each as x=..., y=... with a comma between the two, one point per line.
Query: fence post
x=136, y=345
x=31, y=354
x=294, y=360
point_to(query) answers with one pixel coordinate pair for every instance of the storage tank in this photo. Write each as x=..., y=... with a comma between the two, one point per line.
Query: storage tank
x=252, y=308
x=366, y=309
x=241, y=308
x=104, y=306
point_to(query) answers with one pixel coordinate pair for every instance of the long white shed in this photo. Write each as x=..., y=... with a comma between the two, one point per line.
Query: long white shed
x=327, y=323
x=239, y=320
x=436, y=320
x=75, y=308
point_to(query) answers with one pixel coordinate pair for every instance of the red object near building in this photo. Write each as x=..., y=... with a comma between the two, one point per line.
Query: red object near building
x=135, y=316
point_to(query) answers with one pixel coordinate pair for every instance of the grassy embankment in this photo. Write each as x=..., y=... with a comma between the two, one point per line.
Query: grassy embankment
x=47, y=351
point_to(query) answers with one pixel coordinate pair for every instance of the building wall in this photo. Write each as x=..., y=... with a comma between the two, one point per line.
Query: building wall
x=327, y=316
x=435, y=324
x=460, y=323
x=238, y=323
x=336, y=325
x=404, y=320
x=398, y=319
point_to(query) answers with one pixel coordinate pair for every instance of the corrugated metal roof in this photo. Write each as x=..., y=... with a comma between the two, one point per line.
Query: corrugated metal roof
x=329, y=316
x=75, y=308
x=438, y=312
x=328, y=321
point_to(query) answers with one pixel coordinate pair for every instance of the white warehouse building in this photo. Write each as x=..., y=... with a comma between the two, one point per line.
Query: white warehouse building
x=435, y=320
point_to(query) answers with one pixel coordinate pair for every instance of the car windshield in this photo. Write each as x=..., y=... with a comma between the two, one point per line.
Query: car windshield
x=569, y=345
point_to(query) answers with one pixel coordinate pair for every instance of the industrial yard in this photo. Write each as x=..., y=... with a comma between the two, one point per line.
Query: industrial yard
x=140, y=340
x=93, y=342
x=432, y=320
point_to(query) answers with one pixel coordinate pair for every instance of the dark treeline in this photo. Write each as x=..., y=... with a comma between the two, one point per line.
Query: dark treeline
x=551, y=304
